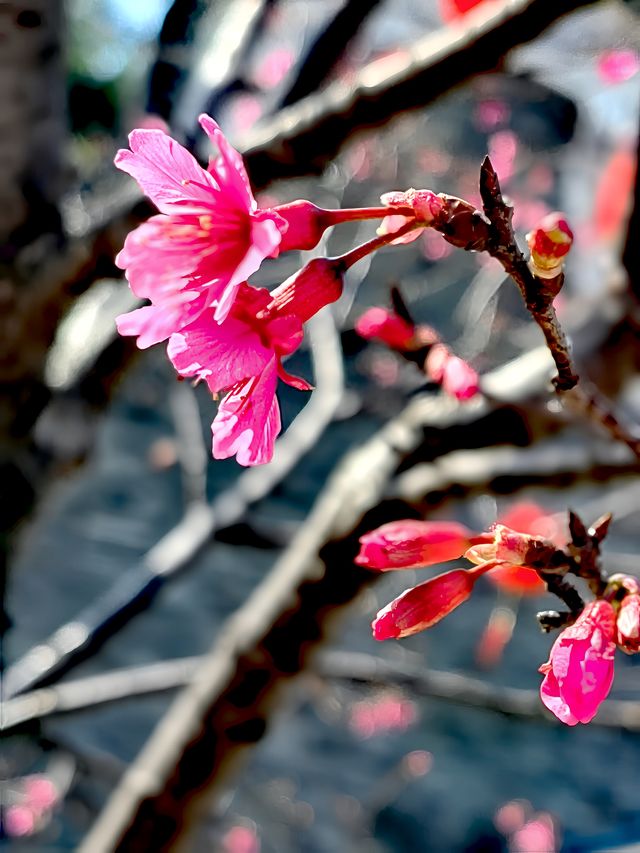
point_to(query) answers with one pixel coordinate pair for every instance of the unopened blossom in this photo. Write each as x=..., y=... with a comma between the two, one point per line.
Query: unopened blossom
x=208, y=238
x=624, y=593
x=457, y=378
x=384, y=325
x=410, y=543
x=549, y=242
x=579, y=672
x=425, y=205
x=628, y=624
x=242, y=356
x=424, y=605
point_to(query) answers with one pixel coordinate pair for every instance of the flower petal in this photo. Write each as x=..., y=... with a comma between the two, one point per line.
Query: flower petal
x=248, y=421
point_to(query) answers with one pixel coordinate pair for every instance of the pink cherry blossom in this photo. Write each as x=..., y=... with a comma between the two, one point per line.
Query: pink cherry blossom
x=208, y=238
x=243, y=357
x=579, y=672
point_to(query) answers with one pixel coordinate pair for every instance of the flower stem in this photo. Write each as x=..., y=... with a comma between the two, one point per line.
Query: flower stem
x=352, y=214
x=350, y=258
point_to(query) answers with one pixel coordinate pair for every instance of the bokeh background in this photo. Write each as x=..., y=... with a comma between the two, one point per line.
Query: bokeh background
x=414, y=745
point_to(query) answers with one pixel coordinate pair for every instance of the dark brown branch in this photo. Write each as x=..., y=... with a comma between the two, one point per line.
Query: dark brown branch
x=308, y=134
x=539, y=301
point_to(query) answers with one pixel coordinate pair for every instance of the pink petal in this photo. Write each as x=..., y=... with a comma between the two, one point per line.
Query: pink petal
x=295, y=381
x=222, y=354
x=248, y=421
x=155, y=323
x=167, y=173
x=228, y=168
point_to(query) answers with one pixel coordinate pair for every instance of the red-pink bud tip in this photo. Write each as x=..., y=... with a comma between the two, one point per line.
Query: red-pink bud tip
x=549, y=242
x=410, y=543
x=382, y=324
x=424, y=605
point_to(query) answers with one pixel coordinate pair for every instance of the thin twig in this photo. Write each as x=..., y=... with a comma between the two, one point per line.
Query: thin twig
x=538, y=296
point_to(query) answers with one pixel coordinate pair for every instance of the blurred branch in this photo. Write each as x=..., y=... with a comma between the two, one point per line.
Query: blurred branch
x=630, y=254
x=305, y=136
x=340, y=665
x=34, y=126
x=327, y=48
x=268, y=639
x=136, y=589
x=461, y=689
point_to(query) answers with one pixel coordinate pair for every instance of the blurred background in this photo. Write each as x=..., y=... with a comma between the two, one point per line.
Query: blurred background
x=126, y=550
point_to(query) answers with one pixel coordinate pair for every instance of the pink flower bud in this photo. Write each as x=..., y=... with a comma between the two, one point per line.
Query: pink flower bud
x=426, y=204
x=410, y=543
x=307, y=291
x=579, y=672
x=549, y=243
x=384, y=325
x=459, y=379
x=306, y=223
x=435, y=363
x=422, y=606
x=628, y=624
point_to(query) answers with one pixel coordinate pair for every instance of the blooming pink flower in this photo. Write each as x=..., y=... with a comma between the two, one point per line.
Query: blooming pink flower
x=243, y=356
x=385, y=325
x=410, y=543
x=579, y=672
x=422, y=606
x=208, y=238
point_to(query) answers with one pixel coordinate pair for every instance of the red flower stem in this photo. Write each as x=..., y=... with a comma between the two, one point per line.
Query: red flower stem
x=350, y=258
x=352, y=214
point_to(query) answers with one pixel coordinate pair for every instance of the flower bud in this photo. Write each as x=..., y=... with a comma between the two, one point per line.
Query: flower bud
x=422, y=606
x=306, y=222
x=384, y=325
x=307, y=291
x=628, y=624
x=410, y=543
x=549, y=243
x=459, y=379
x=426, y=204
x=579, y=672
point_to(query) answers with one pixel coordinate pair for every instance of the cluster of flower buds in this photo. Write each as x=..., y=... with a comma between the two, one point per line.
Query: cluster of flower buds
x=579, y=672
x=549, y=243
x=453, y=374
